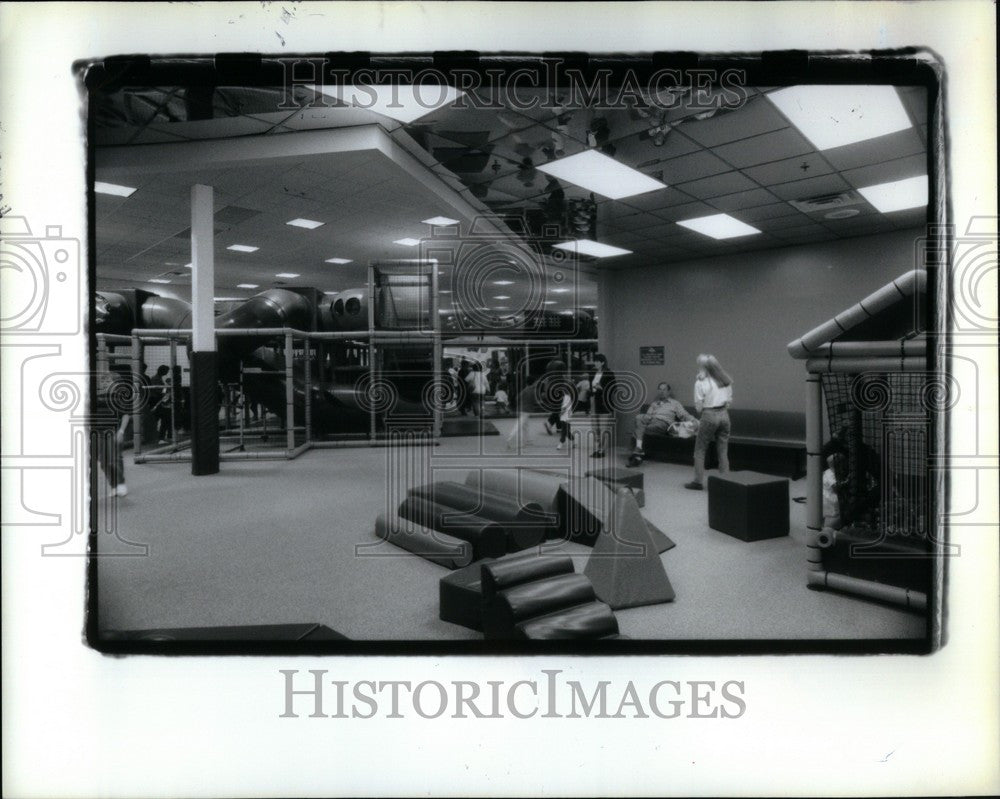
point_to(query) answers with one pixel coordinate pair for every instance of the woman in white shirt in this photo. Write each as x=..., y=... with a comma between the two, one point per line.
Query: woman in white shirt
x=713, y=394
x=478, y=386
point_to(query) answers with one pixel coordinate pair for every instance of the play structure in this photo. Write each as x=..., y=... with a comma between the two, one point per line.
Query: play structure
x=336, y=370
x=870, y=365
x=501, y=532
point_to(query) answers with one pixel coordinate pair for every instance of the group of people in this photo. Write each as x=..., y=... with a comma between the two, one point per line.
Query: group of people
x=470, y=385
x=561, y=396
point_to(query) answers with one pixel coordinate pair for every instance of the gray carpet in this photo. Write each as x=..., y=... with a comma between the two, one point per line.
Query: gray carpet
x=282, y=542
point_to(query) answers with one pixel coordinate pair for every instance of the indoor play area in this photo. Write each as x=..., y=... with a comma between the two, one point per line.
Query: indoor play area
x=494, y=376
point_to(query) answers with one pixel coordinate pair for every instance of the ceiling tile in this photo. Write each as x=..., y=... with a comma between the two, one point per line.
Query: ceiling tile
x=774, y=146
x=717, y=185
x=741, y=201
x=900, y=168
x=692, y=167
x=755, y=117
x=686, y=211
x=874, y=151
x=810, y=187
x=808, y=165
x=653, y=200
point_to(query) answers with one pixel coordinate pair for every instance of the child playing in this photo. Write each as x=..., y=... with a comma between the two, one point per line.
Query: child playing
x=833, y=482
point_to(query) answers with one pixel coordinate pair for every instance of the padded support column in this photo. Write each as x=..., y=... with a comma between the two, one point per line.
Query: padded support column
x=204, y=391
x=814, y=452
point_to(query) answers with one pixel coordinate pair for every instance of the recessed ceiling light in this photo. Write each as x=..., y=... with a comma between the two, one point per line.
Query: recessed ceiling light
x=402, y=103
x=898, y=195
x=331, y=293
x=113, y=188
x=157, y=280
x=592, y=248
x=719, y=226
x=597, y=172
x=247, y=286
x=287, y=274
x=337, y=261
x=444, y=291
x=503, y=282
x=549, y=302
x=440, y=221
x=501, y=307
x=560, y=291
x=832, y=116
x=407, y=242
x=242, y=248
x=501, y=297
x=311, y=224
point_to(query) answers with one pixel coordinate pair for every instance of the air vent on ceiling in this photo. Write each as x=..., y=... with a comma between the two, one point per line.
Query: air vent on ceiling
x=826, y=202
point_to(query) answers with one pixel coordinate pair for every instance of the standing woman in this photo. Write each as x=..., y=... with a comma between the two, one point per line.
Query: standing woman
x=713, y=394
x=602, y=380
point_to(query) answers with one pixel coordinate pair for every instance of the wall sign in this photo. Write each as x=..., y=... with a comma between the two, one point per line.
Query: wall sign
x=651, y=356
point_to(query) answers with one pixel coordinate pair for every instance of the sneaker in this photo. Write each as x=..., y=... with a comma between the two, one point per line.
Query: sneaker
x=634, y=461
x=599, y=453
x=694, y=486
x=121, y=490
x=559, y=445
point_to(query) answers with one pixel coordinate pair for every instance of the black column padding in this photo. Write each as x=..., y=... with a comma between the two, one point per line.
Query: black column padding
x=204, y=414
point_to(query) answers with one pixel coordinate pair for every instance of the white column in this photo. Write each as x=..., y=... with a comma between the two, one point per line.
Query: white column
x=203, y=268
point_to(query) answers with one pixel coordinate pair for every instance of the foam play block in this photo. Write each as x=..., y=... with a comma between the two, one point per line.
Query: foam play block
x=525, y=485
x=428, y=543
x=537, y=598
x=593, y=620
x=460, y=596
x=508, y=573
x=615, y=477
x=584, y=508
x=488, y=539
x=625, y=567
x=748, y=505
x=524, y=522
x=661, y=540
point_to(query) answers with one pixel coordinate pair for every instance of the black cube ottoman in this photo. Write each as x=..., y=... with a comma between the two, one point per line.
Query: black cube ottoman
x=615, y=476
x=748, y=505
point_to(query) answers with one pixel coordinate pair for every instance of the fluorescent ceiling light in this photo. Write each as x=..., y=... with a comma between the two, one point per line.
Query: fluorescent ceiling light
x=501, y=297
x=597, y=172
x=592, y=248
x=337, y=261
x=503, y=282
x=898, y=195
x=247, y=286
x=157, y=280
x=331, y=293
x=832, y=116
x=407, y=242
x=440, y=221
x=311, y=224
x=242, y=248
x=559, y=291
x=113, y=188
x=402, y=103
x=719, y=226
x=549, y=302
x=444, y=291
x=287, y=274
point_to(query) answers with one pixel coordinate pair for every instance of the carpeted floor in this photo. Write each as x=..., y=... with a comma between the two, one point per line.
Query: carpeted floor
x=293, y=541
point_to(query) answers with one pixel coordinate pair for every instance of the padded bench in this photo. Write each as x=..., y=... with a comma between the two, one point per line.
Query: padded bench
x=772, y=442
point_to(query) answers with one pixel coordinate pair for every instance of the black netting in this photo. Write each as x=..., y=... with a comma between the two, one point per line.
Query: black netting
x=881, y=424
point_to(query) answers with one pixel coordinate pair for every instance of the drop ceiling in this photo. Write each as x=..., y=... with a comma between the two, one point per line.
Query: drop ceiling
x=748, y=161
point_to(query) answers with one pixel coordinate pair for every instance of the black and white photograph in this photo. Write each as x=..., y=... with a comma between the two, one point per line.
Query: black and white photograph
x=443, y=378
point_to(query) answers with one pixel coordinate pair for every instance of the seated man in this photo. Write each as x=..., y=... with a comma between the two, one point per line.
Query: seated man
x=664, y=415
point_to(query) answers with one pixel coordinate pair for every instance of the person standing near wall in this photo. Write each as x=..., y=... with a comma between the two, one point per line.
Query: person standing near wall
x=602, y=380
x=111, y=424
x=713, y=394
